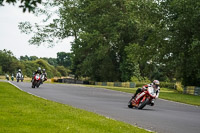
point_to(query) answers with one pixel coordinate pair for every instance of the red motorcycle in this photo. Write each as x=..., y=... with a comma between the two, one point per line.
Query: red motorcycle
x=36, y=81
x=142, y=99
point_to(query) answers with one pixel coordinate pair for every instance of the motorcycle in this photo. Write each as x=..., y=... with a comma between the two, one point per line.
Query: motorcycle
x=18, y=77
x=22, y=78
x=144, y=98
x=42, y=78
x=12, y=78
x=36, y=81
x=7, y=77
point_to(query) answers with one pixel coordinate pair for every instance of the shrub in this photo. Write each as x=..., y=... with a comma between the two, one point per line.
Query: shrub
x=167, y=85
x=179, y=87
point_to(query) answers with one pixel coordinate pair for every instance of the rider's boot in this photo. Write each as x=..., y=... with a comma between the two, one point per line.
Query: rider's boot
x=152, y=102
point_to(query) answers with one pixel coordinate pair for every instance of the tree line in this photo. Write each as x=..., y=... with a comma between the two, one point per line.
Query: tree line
x=59, y=66
x=117, y=40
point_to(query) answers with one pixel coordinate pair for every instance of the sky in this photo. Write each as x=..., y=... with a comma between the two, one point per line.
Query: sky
x=12, y=39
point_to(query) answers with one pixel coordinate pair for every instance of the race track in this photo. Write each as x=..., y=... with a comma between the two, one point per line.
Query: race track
x=164, y=117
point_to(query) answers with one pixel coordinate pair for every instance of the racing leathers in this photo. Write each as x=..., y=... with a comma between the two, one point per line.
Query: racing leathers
x=144, y=88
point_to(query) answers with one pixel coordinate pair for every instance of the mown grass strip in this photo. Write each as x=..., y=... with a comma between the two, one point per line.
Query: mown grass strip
x=165, y=93
x=22, y=112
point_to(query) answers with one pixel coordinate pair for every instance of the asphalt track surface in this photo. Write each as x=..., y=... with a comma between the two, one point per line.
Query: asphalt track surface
x=164, y=117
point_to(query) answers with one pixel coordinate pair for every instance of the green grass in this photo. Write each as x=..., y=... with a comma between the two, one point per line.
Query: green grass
x=174, y=95
x=168, y=94
x=22, y=112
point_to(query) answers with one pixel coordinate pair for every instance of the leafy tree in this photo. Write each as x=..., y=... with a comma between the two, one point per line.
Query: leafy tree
x=51, y=61
x=63, y=71
x=64, y=59
x=27, y=58
x=24, y=58
x=9, y=63
x=116, y=40
x=25, y=4
x=182, y=22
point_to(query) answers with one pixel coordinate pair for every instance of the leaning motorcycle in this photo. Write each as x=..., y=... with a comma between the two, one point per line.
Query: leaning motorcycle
x=36, y=81
x=142, y=99
x=42, y=78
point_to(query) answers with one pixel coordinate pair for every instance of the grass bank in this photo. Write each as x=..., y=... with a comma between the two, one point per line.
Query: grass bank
x=22, y=112
x=165, y=93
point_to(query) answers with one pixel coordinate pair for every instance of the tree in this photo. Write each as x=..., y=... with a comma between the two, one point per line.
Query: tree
x=63, y=71
x=25, y=4
x=64, y=59
x=51, y=61
x=182, y=20
x=9, y=63
x=118, y=39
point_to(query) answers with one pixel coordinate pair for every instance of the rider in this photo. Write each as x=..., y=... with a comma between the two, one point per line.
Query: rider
x=19, y=73
x=155, y=84
x=7, y=76
x=45, y=74
x=12, y=77
x=38, y=71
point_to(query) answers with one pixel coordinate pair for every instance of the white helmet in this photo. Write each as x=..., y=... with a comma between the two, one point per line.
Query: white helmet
x=156, y=82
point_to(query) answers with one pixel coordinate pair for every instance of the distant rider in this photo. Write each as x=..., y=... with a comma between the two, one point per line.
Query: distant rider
x=155, y=84
x=19, y=74
x=12, y=77
x=7, y=76
x=45, y=75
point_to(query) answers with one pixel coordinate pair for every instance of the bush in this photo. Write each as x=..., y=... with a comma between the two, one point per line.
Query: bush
x=140, y=84
x=167, y=85
x=179, y=87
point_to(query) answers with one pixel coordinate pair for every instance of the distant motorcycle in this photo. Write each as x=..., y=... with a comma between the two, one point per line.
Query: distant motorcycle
x=7, y=77
x=12, y=78
x=36, y=81
x=19, y=76
x=142, y=99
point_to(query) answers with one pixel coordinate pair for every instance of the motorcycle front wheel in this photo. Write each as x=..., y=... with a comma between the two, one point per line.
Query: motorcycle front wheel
x=130, y=103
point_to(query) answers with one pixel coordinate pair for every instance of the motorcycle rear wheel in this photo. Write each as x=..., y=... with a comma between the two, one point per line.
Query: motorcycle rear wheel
x=143, y=104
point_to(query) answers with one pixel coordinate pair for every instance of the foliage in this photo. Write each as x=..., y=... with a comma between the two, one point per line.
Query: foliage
x=64, y=59
x=167, y=85
x=51, y=61
x=51, y=71
x=62, y=70
x=119, y=39
x=26, y=58
x=179, y=87
x=9, y=63
x=25, y=4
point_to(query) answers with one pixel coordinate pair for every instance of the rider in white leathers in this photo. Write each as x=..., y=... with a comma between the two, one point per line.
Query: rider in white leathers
x=155, y=84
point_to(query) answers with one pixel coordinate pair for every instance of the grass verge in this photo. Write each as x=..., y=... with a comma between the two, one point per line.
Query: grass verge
x=165, y=93
x=22, y=112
